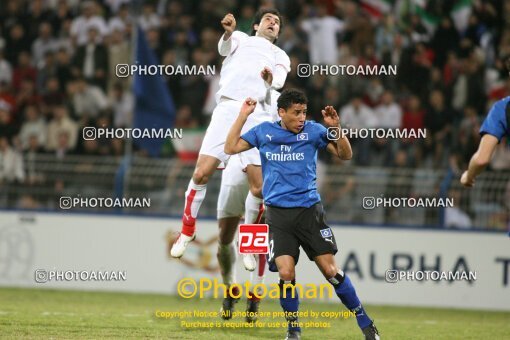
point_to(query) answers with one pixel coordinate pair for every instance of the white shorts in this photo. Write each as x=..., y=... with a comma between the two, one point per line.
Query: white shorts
x=234, y=189
x=222, y=119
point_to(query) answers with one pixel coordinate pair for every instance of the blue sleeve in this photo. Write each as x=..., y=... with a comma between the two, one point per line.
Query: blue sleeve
x=323, y=136
x=495, y=123
x=251, y=136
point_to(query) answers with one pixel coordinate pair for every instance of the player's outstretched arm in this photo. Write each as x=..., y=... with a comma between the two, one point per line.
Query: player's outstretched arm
x=480, y=160
x=225, y=43
x=341, y=147
x=235, y=144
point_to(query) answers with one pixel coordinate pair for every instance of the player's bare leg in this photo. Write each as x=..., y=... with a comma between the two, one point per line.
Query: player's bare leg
x=227, y=254
x=289, y=300
x=347, y=294
x=254, y=207
x=204, y=169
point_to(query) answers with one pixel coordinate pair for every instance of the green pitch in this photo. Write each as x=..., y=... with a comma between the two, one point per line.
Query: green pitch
x=31, y=313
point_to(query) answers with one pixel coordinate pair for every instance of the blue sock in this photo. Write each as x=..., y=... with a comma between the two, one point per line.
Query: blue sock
x=347, y=294
x=290, y=304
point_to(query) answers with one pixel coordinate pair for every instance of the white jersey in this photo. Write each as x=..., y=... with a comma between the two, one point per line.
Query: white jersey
x=240, y=73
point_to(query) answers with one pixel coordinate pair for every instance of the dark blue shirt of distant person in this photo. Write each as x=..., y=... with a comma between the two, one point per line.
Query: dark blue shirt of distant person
x=289, y=162
x=496, y=123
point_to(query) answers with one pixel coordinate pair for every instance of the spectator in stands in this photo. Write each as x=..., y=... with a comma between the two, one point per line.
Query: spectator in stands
x=11, y=163
x=89, y=17
x=119, y=52
x=322, y=31
x=87, y=100
x=413, y=119
x=25, y=96
x=122, y=104
x=63, y=147
x=23, y=70
x=47, y=68
x=43, y=44
x=438, y=121
x=61, y=123
x=15, y=42
x=122, y=21
x=389, y=116
x=52, y=95
x=355, y=116
x=149, y=18
x=33, y=124
x=91, y=60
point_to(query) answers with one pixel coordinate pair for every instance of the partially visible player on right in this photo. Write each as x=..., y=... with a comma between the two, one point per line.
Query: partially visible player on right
x=495, y=126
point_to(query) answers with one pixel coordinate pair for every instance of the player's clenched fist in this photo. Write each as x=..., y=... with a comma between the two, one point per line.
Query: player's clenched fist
x=330, y=116
x=229, y=23
x=248, y=106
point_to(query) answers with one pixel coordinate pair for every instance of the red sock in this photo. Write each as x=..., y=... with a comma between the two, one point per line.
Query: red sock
x=188, y=222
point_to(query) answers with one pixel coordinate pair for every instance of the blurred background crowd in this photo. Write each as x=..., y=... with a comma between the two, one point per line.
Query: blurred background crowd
x=58, y=57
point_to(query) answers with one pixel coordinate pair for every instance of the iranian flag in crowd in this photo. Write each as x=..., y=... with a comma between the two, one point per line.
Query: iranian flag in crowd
x=428, y=18
x=377, y=8
x=460, y=14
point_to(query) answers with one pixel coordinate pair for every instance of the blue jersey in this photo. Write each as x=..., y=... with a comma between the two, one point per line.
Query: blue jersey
x=496, y=122
x=289, y=162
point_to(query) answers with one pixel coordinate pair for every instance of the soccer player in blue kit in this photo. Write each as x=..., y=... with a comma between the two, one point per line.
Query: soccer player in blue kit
x=295, y=215
x=495, y=126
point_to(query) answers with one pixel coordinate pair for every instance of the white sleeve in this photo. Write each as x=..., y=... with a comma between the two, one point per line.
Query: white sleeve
x=279, y=76
x=281, y=70
x=225, y=47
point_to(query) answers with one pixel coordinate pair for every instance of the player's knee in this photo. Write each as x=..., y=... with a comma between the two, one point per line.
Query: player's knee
x=226, y=236
x=287, y=274
x=330, y=271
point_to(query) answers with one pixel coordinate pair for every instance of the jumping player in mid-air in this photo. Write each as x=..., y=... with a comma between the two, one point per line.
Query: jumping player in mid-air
x=294, y=212
x=252, y=68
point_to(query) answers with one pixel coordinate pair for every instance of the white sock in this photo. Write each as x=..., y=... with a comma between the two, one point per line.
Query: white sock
x=193, y=200
x=257, y=276
x=227, y=255
x=253, y=209
x=194, y=197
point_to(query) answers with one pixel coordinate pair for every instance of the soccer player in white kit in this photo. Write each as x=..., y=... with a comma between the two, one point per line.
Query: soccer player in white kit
x=233, y=192
x=253, y=67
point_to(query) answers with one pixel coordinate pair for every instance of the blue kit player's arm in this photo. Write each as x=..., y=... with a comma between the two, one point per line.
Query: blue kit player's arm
x=338, y=145
x=494, y=128
x=234, y=143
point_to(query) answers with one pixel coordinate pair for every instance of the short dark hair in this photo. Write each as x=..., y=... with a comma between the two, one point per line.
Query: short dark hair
x=260, y=13
x=291, y=96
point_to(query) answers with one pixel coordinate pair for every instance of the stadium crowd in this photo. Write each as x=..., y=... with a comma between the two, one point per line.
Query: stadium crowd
x=58, y=57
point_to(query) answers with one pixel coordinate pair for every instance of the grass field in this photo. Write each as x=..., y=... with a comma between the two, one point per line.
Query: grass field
x=31, y=313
